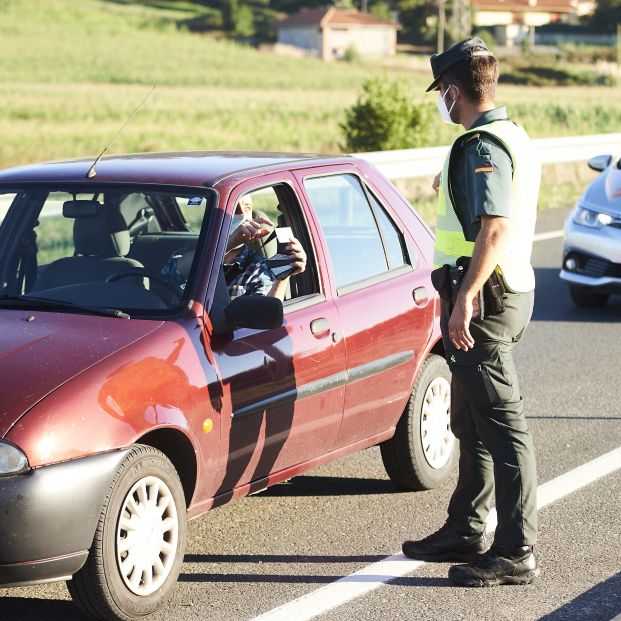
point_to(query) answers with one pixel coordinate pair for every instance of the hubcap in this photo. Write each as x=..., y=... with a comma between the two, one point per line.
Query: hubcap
x=435, y=423
x=146, y=536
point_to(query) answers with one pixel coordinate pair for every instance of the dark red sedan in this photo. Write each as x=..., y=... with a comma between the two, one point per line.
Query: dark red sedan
x=136, y=393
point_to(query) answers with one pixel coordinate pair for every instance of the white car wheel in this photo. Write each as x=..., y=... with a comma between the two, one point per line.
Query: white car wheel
x=423, y=450
x=147, y=535
x=435, y=424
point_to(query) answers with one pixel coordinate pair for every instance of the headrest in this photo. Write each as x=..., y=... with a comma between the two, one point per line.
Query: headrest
x=104, y=235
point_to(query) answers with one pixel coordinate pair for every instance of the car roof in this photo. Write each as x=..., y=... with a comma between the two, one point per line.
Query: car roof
x=191, y=168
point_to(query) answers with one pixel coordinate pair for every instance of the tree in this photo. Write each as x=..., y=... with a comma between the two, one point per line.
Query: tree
x=606, y=16
x=384, y=117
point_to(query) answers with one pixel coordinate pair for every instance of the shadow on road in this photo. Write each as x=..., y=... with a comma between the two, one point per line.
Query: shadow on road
x=29, y=609
x=553, y=303
x=306, y=579
x=280, y=558
x=330, y=486
x=601, y=603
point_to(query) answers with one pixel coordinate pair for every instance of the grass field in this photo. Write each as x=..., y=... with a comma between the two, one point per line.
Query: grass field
x=72, y=70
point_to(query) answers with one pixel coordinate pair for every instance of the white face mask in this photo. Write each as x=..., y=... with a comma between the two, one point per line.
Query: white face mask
x=445, y=113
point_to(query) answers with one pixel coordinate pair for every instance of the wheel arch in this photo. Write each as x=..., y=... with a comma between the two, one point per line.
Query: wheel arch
x=178, y=448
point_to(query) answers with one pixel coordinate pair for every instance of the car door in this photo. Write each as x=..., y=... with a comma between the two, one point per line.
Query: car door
x=285, y=386
x=382, y=295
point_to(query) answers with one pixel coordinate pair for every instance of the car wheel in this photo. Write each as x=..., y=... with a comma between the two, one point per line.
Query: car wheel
x=422, y=452
x=587, y=297
x=137, y=551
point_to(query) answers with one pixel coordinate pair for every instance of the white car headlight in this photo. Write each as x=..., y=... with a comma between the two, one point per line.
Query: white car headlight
x=592, y=219
x=12, y=459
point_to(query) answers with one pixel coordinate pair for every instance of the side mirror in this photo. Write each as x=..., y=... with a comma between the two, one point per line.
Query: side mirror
x=599, y=162
x=254, y=311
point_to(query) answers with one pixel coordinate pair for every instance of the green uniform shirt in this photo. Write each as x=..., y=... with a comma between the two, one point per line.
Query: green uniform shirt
x=481, y=176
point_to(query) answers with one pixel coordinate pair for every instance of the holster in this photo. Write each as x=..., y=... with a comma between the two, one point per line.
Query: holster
x=447, y=281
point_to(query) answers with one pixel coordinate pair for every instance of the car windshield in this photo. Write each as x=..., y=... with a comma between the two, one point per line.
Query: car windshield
x=122, y=251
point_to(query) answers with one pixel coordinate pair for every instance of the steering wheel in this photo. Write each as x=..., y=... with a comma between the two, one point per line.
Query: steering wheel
x=141, y=272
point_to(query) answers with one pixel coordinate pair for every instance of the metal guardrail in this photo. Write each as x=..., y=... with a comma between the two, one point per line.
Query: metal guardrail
x=427, y=162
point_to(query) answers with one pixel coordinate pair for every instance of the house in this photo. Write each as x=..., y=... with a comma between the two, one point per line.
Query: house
x=512, y=21
x=330, y=32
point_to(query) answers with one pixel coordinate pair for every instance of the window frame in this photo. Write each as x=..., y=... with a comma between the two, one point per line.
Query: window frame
x=301, y=220
x=369, y=281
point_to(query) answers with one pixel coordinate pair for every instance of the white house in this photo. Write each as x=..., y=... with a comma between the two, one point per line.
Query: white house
x=330, y=32
x=513, y=20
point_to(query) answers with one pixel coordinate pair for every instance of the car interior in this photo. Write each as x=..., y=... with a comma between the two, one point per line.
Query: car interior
x=111, y=248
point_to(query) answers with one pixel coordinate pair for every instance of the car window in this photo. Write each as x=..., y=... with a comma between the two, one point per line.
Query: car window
x=108, y=247
x=351, y=229
x=5, y=203
x=279, y=205
x=393, y=240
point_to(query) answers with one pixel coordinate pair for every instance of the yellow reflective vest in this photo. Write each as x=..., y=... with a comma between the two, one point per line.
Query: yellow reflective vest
x=451, y=243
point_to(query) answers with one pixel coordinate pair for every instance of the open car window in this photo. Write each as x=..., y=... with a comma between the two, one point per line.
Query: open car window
x=279, y=205
x=110, y=247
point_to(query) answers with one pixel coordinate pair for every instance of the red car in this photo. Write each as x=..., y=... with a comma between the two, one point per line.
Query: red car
x=136, y=394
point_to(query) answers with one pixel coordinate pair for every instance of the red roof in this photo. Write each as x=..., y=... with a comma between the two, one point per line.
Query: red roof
x=535, y=6
x=332, y=16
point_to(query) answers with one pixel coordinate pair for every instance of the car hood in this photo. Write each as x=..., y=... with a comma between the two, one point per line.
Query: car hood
x=604, y=194
x=40, y=351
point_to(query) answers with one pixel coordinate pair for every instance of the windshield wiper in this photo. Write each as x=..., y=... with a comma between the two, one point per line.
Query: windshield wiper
x=27, y=301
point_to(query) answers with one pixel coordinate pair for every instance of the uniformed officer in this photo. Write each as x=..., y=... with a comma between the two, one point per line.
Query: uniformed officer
x=488, y=193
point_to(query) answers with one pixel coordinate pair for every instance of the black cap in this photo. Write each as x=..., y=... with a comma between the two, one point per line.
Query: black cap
x=460, y=51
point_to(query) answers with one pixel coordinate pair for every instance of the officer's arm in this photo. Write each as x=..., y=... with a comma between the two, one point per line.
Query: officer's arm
x=488, y=249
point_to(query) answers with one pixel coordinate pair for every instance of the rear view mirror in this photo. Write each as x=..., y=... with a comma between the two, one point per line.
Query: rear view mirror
x=80, y=209
x=599, y=162
x=254, y=311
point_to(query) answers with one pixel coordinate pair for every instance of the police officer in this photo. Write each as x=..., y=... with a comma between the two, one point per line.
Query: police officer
x=488, y=191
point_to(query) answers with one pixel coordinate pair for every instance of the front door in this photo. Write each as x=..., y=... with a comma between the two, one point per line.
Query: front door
x=283, y=389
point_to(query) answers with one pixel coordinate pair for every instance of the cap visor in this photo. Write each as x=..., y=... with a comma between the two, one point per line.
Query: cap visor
x=435, y=85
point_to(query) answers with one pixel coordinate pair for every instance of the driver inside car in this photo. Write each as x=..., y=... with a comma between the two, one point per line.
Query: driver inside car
x=246, y=271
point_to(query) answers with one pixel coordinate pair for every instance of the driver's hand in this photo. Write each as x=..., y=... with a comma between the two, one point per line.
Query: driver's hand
x=249, y=231
x=294, y=248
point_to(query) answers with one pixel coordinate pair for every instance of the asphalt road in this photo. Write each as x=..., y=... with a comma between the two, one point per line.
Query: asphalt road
x=254, y=555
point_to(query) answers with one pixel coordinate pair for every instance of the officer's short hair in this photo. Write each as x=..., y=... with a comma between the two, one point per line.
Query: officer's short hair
x=475, y=77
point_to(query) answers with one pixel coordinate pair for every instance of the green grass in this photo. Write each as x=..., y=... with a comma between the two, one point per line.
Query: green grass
x=73, y=70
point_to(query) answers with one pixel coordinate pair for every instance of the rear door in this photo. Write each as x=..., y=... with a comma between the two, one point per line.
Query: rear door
x=382, y=296
x=286, y=385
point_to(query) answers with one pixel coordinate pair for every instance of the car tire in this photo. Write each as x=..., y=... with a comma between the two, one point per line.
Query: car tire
x=583, y=296
x=137, y=551
x=423, y=451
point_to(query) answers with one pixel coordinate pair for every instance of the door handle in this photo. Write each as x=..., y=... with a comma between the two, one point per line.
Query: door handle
x=320, y=328
x=421, y=296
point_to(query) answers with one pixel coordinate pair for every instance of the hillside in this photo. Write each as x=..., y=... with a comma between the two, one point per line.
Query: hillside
x=72, y=70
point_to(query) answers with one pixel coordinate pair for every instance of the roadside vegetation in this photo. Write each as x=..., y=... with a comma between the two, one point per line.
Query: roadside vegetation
x=72, y=72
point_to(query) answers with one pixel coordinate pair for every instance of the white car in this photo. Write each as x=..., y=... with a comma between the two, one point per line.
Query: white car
x=592, y=248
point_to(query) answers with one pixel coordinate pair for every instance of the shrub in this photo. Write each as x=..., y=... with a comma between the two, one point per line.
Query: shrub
x=384, y=117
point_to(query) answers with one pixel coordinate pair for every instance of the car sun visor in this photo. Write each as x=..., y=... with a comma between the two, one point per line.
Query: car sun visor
x=81, y=208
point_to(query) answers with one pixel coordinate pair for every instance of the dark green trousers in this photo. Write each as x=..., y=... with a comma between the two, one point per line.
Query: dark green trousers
x=487, y=417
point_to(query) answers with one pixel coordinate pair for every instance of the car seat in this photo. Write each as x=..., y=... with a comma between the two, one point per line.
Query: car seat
x=101, y=244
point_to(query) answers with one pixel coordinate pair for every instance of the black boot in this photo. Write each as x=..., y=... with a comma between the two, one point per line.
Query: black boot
x=446, y=545
x=498, y=566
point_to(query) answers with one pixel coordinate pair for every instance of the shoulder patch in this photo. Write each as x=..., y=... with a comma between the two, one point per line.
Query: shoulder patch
x=487, y=168
x=470, y=138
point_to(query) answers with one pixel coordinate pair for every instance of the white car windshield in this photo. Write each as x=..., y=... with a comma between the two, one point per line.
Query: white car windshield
x=112, y=250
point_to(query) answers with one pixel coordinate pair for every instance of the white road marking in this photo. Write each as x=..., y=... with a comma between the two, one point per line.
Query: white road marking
x=374, y=576
x=548, y=235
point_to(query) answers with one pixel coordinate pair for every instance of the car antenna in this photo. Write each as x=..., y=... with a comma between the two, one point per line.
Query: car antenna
x=91, y=171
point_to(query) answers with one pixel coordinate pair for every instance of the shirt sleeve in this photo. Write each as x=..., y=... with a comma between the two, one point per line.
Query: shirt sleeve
x=488, y=178
x=260, y=278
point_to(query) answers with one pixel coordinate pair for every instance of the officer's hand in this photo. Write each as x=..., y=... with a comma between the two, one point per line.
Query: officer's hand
x=459, y=324
x=436, y=182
